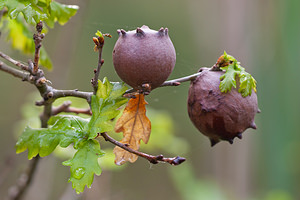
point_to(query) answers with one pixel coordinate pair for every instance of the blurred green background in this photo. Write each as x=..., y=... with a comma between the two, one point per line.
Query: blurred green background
x=262, y=35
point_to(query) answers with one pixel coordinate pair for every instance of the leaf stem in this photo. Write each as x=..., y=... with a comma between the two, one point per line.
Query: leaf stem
x=152, y=159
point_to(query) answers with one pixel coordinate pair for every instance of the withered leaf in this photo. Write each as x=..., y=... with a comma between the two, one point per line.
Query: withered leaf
x=135, y=126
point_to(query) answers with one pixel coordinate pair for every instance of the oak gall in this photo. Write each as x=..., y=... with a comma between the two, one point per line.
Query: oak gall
x=144, y=56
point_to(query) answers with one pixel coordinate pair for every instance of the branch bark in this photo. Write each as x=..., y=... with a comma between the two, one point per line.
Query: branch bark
x=15, y=72
x=13, y=61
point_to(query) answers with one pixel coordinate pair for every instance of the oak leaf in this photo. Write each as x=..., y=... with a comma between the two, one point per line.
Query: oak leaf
x=135, y=126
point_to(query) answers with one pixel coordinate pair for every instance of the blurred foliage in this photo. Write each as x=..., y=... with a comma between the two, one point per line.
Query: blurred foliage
x=20, y=33
x=278, y=195
x=192, y=188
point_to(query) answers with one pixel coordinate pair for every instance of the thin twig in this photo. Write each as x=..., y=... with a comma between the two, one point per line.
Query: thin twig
x=152, y=159
x=65, y=107
x=174, y=82
x=15, y=72
x=13, y=61
x=99, y=46
x=178, y=81
x=74, y=93
x=38, y=38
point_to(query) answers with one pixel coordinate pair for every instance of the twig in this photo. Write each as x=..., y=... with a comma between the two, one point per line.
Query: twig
x=99, y=47
x=38, y=37
x=178, y=81
x=152, y=159
x=174, y=82
x=15, y=72
x=65, y=107
x=45, y=116
x=74, y=93
x=17, y=63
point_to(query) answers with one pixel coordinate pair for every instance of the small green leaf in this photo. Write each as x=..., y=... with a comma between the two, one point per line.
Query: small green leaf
x=247, y=83
x=228, y=79
x=84, y=165
x=105, y=106
x=99, y=34
x=43, y=141
x=34, y=11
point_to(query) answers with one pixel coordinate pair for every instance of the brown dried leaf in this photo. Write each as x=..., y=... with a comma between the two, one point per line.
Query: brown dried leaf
x=135, y=126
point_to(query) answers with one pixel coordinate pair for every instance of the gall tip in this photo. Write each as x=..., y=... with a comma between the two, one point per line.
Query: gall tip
x=213, y=142
x=239, y=135
x=253, y=125
x=121, y=32
x=140, y=32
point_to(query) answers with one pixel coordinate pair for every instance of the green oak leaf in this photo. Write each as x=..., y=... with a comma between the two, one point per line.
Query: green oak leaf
x=31, y=12
x=228, y=79
x=43, y=141
x=99, y=34
x=105, y=105
x=34, y=11
x=247, y=83
x=84, y=165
